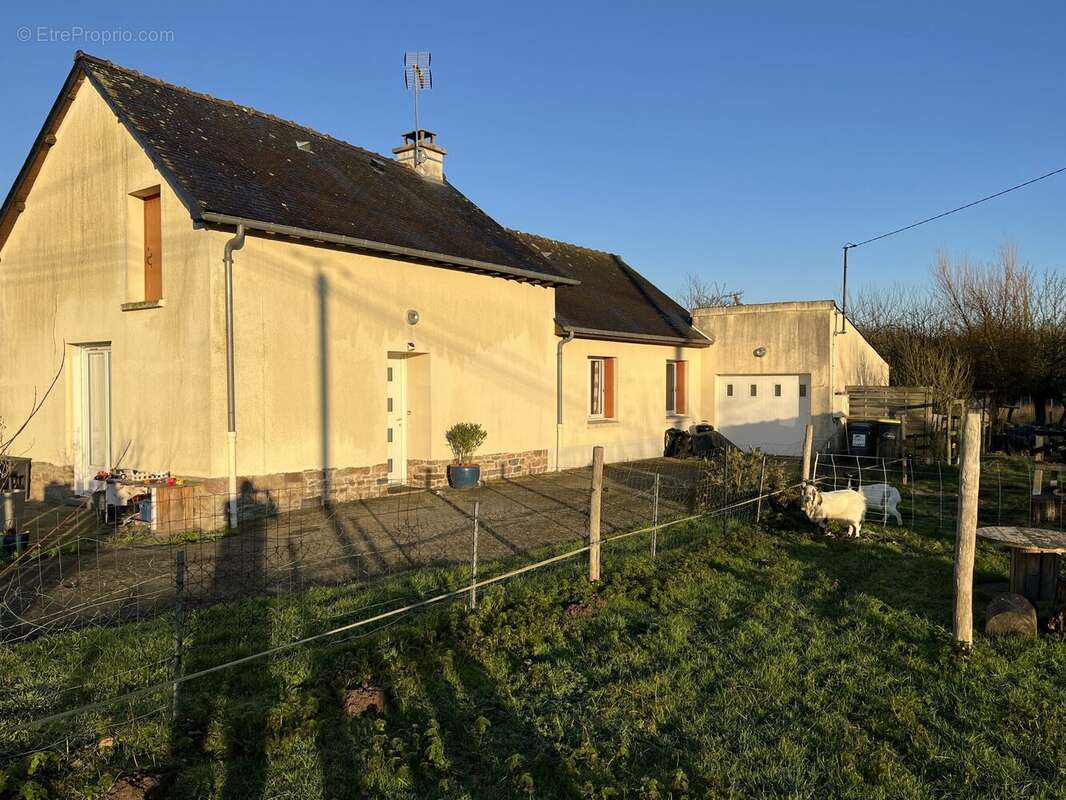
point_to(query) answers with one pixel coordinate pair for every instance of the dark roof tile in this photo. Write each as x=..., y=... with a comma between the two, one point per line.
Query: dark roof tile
x=236, y=161
x=612, y=296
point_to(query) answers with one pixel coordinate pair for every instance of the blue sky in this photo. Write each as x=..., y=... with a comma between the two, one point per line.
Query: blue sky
x=745, y=142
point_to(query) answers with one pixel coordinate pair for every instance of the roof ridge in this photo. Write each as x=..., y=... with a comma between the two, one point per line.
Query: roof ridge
x=560, y=241
x=81, y=55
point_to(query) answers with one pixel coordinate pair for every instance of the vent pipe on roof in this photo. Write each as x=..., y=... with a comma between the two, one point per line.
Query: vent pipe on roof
x=421, y=153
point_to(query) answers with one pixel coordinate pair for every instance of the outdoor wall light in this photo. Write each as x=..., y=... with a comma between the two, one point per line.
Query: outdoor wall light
x=760, y=352
x=412, y=317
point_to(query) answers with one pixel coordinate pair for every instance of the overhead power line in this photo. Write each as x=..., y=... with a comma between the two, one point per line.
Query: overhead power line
x=853, y=245
x=956, y=210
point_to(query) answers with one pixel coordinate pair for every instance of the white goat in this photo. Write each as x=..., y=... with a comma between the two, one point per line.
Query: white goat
x=882, y=497
x=845, y=505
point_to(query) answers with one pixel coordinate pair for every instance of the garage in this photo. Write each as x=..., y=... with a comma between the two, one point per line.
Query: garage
x=765, y=411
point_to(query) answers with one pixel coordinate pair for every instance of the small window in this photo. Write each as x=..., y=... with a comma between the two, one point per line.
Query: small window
x=676, y=380
x=729, y=390
x=153, y=248
x=777, y=390
x=754, y=390
x=803, y=390
x=601, y=387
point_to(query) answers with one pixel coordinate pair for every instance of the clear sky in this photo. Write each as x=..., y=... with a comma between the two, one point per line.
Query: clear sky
x=745, y=142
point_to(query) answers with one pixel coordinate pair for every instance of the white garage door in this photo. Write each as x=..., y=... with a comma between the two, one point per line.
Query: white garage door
x=765, y=411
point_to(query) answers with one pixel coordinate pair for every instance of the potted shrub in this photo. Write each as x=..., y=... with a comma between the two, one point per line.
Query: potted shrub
x=464, y=438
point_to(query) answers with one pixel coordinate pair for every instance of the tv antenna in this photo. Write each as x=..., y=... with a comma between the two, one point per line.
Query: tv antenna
x=418, y=77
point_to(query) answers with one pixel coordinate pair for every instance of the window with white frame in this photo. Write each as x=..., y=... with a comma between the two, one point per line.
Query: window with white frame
x=676, y=384
x=601, y=387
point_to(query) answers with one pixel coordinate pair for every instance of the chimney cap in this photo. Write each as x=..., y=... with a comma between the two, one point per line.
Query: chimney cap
x=424, y=136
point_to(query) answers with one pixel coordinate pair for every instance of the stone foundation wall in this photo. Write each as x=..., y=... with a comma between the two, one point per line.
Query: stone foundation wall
x=288, y=490
x=427, y=474
x=51, y=482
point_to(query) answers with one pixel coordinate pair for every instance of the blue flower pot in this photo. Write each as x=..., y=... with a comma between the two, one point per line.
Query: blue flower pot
x=465, y=477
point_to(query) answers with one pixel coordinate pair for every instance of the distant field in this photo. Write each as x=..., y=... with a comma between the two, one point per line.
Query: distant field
x=752, y=663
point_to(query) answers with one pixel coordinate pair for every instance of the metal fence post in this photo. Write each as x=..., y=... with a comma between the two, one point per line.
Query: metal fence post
x=833, y=461
x=179, y=618
x=884, y=494
x=762, y=487
x=473, y=558
x=725, y=486
x=940, y=481
x=655, y=516
x=594, y=513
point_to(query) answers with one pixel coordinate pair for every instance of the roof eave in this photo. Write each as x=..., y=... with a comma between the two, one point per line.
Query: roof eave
x=634, y=338
x=322, y=237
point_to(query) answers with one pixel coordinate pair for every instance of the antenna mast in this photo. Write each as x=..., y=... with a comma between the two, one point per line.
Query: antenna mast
x=417, y=76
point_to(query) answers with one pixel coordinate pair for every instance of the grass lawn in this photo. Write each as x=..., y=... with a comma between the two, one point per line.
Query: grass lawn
x=752, y=663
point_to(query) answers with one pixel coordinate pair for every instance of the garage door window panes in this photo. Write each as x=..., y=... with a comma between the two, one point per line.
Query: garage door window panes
x=754, y=390
x=676, y=381
x=777, y=390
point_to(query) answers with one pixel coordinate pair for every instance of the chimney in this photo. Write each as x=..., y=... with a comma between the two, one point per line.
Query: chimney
x=430, y=154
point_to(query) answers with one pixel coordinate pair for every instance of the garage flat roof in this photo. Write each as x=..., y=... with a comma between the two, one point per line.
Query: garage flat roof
x=757, y=308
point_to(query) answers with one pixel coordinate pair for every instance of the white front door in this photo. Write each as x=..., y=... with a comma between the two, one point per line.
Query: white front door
x=396, y=417
x=92, y=409
x=765, y=411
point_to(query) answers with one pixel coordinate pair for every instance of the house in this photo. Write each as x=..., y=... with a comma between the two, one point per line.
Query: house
x=233, y=296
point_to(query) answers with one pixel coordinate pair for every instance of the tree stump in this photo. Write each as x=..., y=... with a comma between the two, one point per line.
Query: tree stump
x=1010, y=614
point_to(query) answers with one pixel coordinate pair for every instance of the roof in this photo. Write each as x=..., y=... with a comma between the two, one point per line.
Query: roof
x=229, y=162
x=613, y=300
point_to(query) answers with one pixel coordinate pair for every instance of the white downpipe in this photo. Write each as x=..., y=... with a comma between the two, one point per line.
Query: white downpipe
x=559, y=394
x=236, y=243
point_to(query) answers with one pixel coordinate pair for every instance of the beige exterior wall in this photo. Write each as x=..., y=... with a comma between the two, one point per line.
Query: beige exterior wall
x=641, y=420
x=799, y=339
x=314, y=330
x=64, y=274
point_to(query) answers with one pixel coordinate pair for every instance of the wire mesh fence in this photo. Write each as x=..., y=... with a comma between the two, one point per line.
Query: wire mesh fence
x=118, y=611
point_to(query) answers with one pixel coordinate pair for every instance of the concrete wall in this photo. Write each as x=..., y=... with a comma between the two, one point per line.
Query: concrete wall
x=799, y=339
x=641, y=419
x=64, y=275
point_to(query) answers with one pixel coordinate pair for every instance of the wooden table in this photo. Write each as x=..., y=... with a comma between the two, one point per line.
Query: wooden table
x=1034, y=559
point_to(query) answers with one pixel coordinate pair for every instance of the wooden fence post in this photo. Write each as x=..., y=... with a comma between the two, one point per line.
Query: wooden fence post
x=966, y=532
x=808, y=446
x=594, y=513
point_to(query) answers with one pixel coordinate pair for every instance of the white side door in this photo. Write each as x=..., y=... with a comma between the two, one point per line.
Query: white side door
x=92, y=409
x=396, y=418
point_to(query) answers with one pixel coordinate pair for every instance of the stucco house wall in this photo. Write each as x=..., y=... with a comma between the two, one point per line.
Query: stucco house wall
x=641, y=420
x=63, y=279
x=314, y=328
x=799, y=338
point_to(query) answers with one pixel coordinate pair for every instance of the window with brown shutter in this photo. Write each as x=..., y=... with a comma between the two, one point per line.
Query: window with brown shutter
x=153, y=248
x=602, y=376
x=676, y=380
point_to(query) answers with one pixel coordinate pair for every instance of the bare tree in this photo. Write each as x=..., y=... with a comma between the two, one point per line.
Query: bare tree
x=700, y=293
x=999, y=326
x=1011, y=319
x=7, y=442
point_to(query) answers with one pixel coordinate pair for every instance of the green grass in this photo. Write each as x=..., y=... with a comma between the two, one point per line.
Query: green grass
x=759, y=662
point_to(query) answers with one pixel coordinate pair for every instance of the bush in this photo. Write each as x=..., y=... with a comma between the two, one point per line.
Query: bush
x=745, y=469
x=464, y=438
